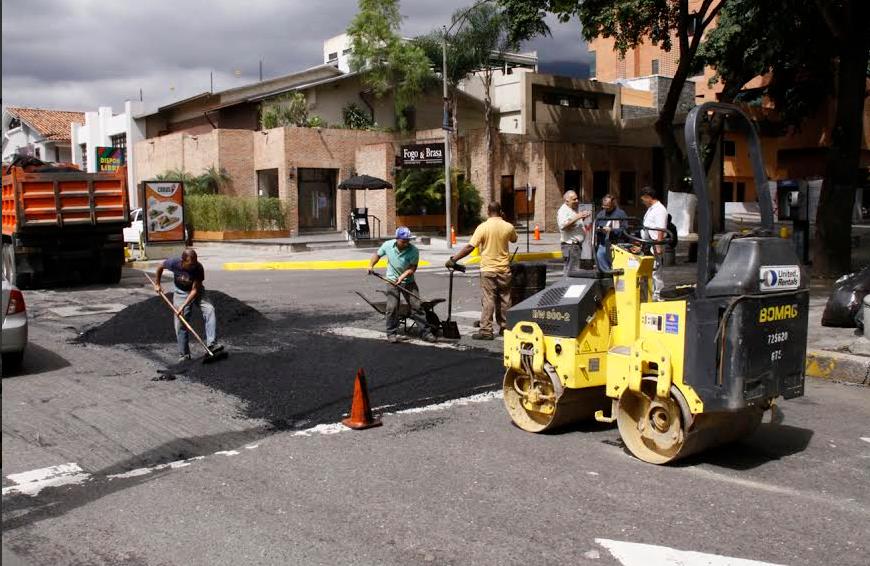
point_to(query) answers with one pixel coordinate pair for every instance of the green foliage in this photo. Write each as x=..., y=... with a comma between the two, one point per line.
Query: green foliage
x=316, y=122
x=388, y=63
x=287, y=110
x=782, y=38
x=355, y=118
x=418, y=192
x=209, y=182
x=220, y=212
x=421, y=191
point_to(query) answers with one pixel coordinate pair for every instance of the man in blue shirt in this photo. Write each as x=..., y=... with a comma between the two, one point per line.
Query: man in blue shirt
x=610, y=221
x=402, y=258
x=188, y=276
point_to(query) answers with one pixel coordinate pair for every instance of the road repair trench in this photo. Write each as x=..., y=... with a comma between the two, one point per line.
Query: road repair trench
x=293, y=373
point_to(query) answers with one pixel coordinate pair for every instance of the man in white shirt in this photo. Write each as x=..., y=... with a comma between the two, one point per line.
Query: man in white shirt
x=571, y=223
x=656, y=217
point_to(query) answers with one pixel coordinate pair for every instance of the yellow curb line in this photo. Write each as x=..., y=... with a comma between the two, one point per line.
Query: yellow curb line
x=852, y=369
x=305, y=265
x=530, y=256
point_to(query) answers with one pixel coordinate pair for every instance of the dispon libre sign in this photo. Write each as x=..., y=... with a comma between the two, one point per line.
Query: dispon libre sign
x=422, y=155
x=110, y=158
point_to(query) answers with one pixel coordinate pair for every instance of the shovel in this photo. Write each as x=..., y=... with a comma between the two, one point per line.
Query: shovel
x=449, y=328
x=211, y=355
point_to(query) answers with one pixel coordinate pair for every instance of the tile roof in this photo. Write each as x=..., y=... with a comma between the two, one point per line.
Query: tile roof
x=54, y=125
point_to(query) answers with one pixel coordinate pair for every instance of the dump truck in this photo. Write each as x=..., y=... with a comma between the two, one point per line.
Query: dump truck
x=61, y=224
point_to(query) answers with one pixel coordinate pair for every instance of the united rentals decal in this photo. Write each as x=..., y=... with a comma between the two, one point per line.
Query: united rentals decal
x=779, y=277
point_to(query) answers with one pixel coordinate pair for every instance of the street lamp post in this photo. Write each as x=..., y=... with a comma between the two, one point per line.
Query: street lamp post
x=447, y=127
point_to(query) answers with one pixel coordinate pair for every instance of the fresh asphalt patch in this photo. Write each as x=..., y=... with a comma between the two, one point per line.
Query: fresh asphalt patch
x=295, y=372
x=309, y=381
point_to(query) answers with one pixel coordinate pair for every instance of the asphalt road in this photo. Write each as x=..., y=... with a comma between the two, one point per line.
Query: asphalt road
x=240, y=462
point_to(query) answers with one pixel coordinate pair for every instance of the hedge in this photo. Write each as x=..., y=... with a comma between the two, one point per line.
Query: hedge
x=220, y=212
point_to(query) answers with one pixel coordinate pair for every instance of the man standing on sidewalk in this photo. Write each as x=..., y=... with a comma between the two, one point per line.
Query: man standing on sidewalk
x=607, y=224
x=188, y=275
x=492, y=238
x=402, y=259
x=656, y=217
x=572, y=231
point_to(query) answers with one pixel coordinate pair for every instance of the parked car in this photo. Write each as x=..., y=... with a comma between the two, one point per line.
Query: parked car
x=132, y=234
x=14, y=325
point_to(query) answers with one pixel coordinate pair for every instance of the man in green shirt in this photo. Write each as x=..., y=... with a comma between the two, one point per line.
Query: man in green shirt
x=402, y=258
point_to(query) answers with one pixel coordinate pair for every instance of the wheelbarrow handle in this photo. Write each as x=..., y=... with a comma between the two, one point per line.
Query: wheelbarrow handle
x=382, y=278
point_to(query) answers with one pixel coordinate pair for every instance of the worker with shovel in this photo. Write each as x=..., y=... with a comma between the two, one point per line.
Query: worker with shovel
x=188, y=275
x=402, y=258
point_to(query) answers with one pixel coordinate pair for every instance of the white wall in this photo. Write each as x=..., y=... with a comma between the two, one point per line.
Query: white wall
x=23, y=138
x=96, y=132
x=338, y=44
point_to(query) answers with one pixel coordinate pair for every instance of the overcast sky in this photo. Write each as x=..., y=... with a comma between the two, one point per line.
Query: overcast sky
x=81, y=54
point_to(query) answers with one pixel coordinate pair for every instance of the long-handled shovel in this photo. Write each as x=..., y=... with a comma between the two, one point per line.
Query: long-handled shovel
x=211, y=355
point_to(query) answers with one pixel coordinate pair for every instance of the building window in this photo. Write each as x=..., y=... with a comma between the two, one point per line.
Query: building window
x=570, y=100
x=57, y=154
x=84, y=150
x=14, y=123
x=628, y=188
x=119, y=141
x=346, y=51
x=333, y=56
x=728, y=148
x=38, y=156
x=655, y=67
x=592, y=61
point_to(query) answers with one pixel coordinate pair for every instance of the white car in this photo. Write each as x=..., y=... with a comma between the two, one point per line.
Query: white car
x=133, y=234
x=14, y=326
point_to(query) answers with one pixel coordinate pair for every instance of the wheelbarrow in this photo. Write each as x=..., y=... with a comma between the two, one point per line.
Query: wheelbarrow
x=405, y=311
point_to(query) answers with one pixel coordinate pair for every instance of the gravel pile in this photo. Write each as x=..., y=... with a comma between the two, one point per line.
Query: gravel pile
x=150, y=322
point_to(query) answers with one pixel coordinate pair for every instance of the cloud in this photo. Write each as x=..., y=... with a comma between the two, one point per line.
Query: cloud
x=81, y=54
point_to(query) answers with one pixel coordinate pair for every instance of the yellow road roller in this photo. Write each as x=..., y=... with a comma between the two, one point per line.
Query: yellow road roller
x=678, y=375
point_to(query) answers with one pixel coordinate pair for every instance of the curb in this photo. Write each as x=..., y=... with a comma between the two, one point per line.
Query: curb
x=837, y=366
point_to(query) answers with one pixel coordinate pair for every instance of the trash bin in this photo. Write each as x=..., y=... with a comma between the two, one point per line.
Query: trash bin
x=527, y=279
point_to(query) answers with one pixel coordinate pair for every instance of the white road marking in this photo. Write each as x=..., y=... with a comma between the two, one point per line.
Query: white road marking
x=251, y=446
x=636, y=554
x=468, y=314
x=368, y=333
x=227, y=452
x=865, y=438
x=461, y=402
x=333, y=428
x=32, y=482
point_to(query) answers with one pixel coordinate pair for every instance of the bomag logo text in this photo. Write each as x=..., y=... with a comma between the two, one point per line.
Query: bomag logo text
x=773, y=314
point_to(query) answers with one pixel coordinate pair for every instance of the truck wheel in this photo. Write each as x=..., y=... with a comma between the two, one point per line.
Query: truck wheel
x=111, y=274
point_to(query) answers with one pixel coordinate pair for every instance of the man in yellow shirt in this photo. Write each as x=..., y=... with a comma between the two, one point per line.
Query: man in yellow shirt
x=492, y=238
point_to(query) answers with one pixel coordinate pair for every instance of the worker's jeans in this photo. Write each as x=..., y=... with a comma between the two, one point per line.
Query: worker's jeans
x=207, y=309
x=603, y=255
x=658, y=280
x=495, y=297
x=416, y=310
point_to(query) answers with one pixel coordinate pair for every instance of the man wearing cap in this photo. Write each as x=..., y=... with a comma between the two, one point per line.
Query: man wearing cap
x=402, y=258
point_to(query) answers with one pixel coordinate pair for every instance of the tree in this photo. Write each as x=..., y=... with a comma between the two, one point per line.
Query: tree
x=806, y=64
x=388, y=63
x=355, y=118
x=630, y=23
x=288, y=110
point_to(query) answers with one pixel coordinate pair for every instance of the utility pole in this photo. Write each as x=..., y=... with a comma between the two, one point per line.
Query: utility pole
x=447, y=127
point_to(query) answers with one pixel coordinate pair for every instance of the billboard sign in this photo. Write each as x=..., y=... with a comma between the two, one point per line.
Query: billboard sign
x=110, y=158
x=163, y=211
x=422, y=155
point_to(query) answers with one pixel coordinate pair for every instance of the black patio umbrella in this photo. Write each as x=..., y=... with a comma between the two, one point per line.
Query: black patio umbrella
x=364, y=182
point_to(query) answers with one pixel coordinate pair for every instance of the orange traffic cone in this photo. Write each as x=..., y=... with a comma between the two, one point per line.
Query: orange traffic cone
x=452, y=236
x=360, y=410
x=537, y=232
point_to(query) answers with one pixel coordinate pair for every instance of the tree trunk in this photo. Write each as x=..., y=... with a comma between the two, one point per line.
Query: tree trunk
x=832, y=246
x=487, y=134
x=664, y=126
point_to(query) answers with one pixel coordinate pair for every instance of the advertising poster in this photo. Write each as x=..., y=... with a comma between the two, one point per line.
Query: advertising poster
x=163, y=211
x=109, y=159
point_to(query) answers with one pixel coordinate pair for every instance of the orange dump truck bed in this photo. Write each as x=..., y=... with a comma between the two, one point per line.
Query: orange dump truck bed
x=70, y=222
